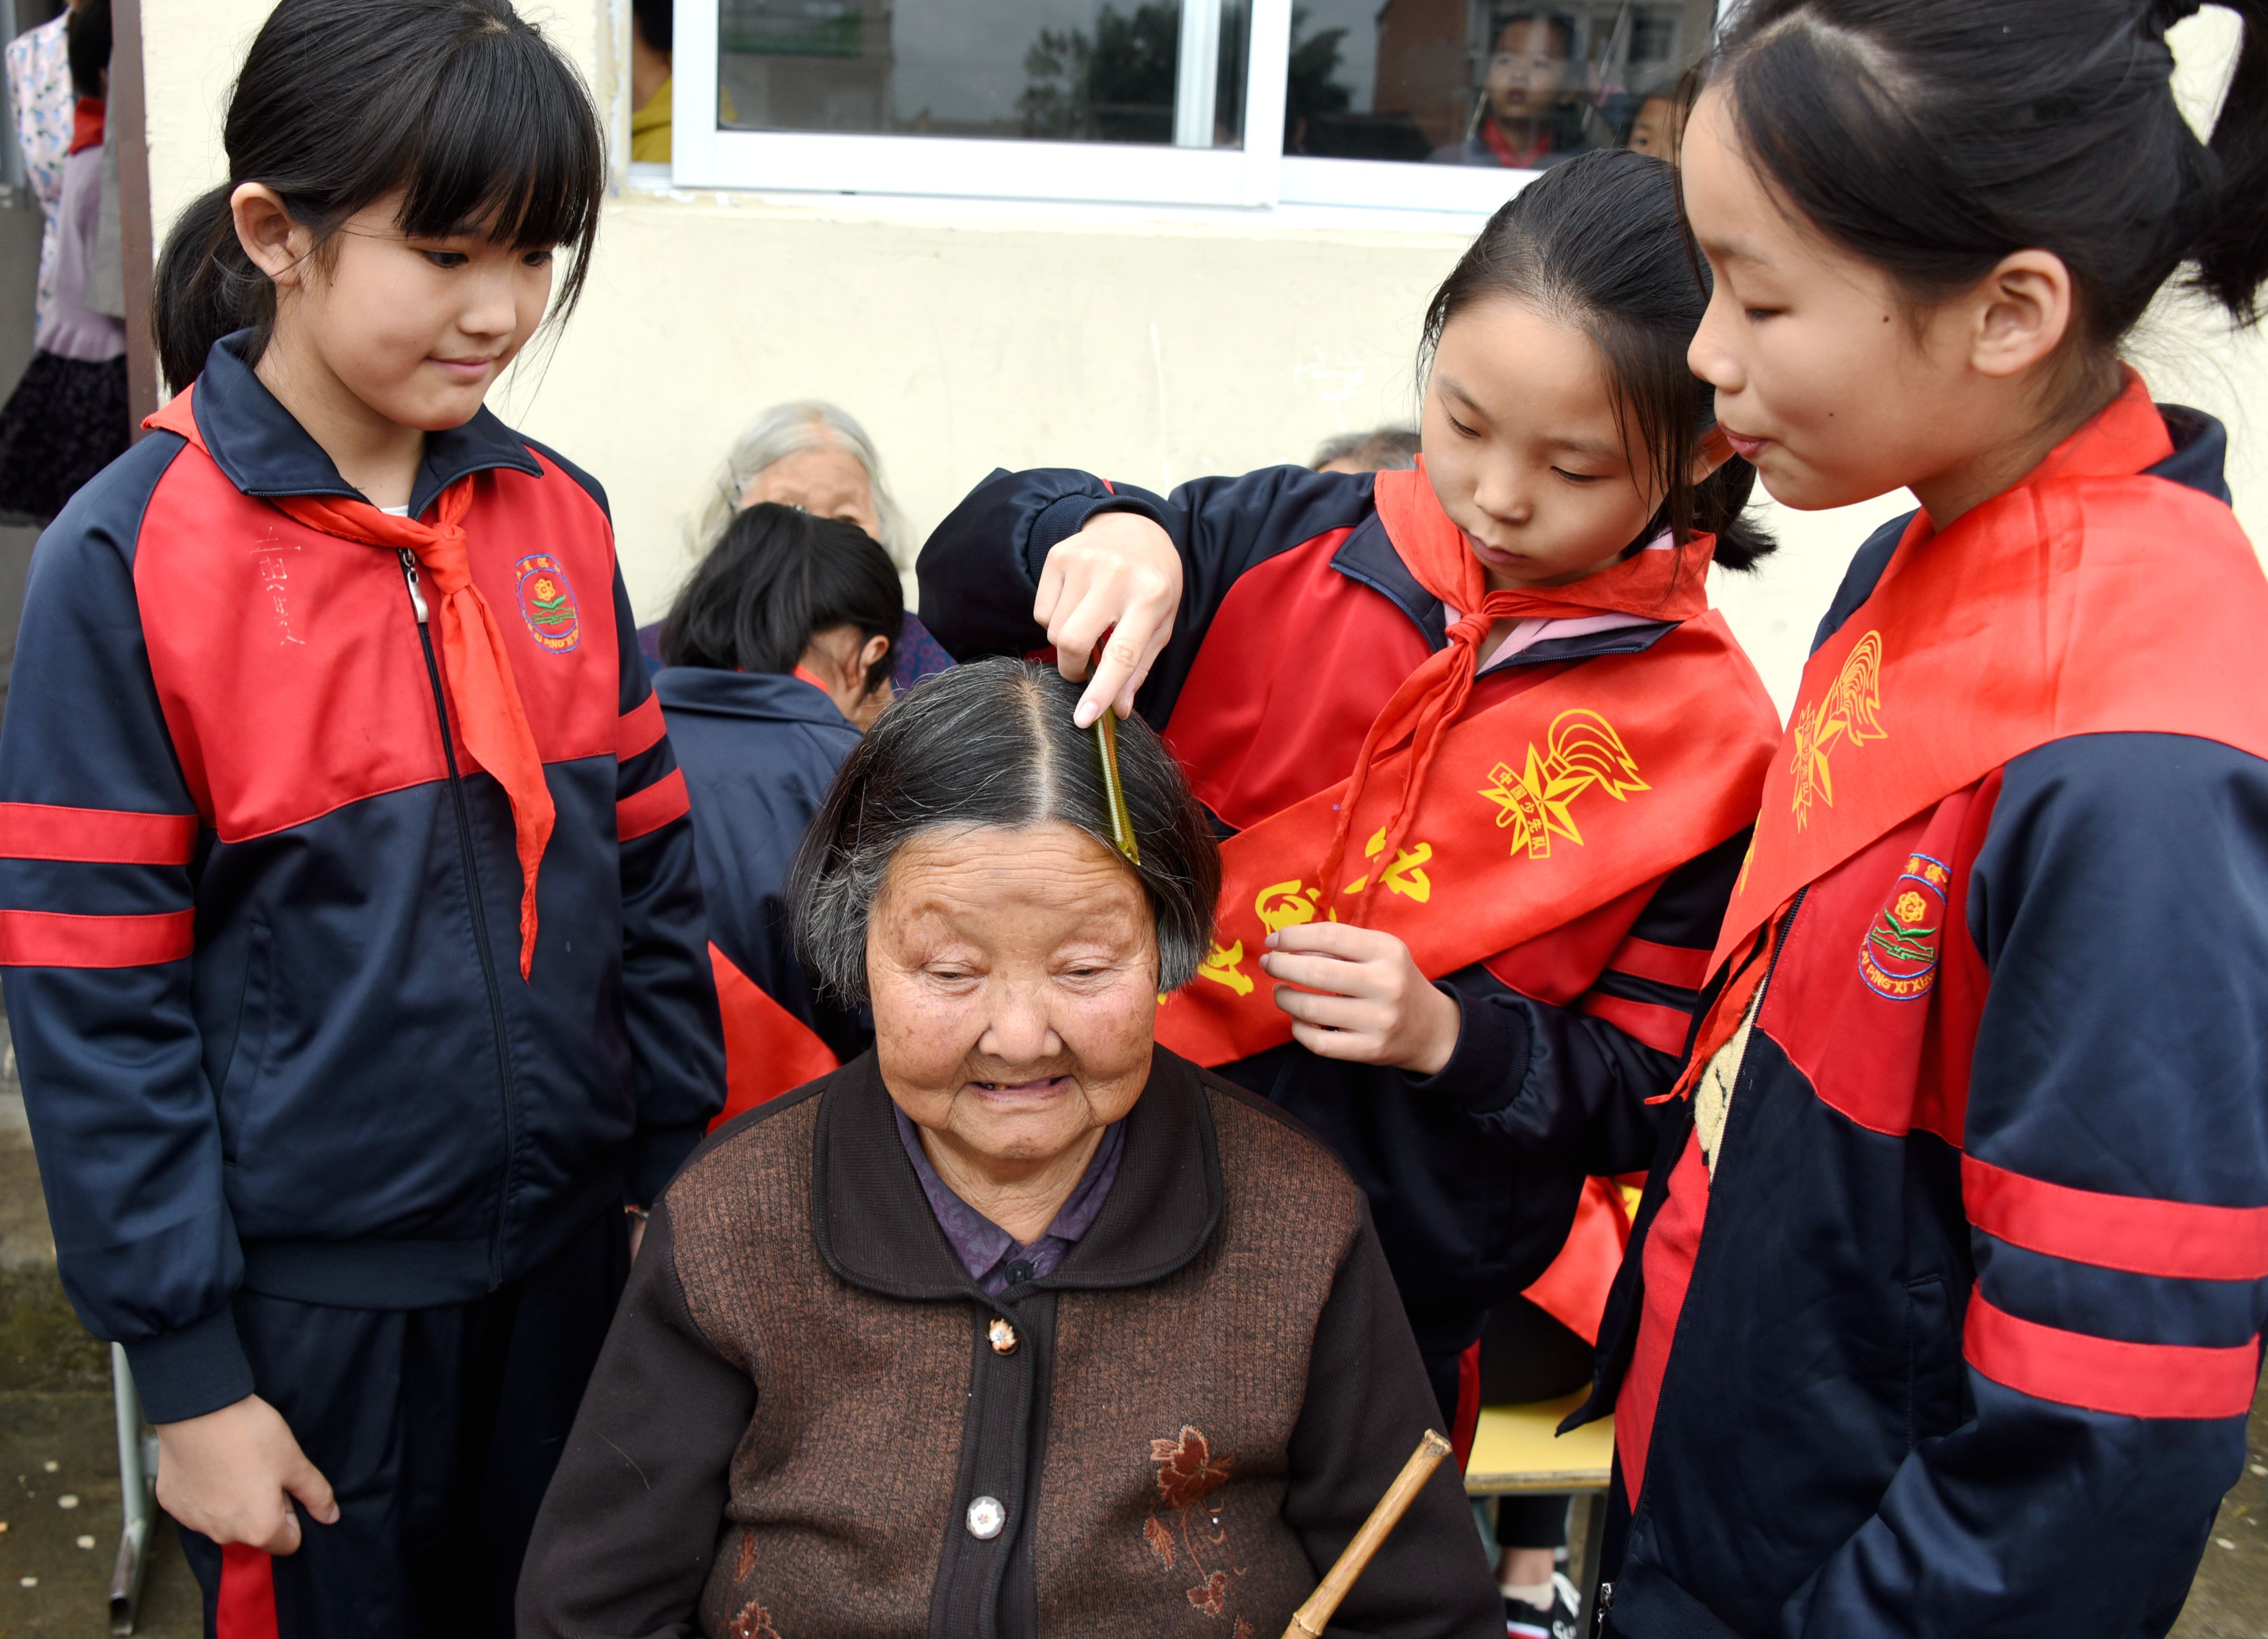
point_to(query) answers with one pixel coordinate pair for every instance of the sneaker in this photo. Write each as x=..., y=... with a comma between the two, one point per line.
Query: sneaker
x=1523, y=1620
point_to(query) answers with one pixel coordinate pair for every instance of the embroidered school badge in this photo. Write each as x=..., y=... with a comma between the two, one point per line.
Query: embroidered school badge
x=547, y=602
x=1898, y=957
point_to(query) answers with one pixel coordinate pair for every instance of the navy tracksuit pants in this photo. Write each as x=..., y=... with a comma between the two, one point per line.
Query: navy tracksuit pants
x=438, y=1430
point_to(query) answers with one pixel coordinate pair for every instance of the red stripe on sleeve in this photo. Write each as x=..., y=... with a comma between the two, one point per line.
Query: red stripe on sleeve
x=640, y=729
x=1661, y=1028
x=653, y=808
x=1664, y=963
x=2103, y=1374
x=2134, y=1232
x=40, y=938
x=246, y=1608
x=96, y=836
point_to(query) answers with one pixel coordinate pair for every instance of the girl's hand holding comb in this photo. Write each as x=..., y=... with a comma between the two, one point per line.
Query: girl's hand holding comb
x=1120, y=575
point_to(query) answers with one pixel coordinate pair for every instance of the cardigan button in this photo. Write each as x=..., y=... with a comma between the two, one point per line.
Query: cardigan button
x=986, y=1517
x=1003, y=1335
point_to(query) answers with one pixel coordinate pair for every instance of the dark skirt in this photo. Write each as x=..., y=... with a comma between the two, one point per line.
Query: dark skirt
x=65, y=421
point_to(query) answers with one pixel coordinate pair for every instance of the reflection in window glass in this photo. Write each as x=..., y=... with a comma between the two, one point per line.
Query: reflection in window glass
x=1052, y=70
x=1469, y=82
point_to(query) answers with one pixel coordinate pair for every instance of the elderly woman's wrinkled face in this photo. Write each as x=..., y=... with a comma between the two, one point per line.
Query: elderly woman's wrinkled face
x=825, y=480
x=1014, y=981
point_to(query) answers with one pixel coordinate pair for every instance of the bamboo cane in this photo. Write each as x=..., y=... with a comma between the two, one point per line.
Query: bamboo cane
x=1309, y=1621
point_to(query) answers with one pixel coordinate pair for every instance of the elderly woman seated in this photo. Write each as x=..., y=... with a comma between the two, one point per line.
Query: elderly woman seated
x=1018, y=1324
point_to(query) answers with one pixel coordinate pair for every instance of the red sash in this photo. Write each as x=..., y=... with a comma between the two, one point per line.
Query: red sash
x=2087, y=600
x=768, y=1050
x=1529, y=814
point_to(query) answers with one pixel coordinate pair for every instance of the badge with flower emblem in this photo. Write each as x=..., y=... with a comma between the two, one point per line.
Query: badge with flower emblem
x=1898, y=957
x=547, y=602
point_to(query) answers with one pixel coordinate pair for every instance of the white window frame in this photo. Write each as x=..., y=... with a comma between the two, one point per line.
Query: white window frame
x=1259, y=175
x=702, y=155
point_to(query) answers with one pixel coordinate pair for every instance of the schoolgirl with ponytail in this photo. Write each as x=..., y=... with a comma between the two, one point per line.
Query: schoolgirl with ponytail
x=1944, y=1311
x=1485, y=752
x=352, y=935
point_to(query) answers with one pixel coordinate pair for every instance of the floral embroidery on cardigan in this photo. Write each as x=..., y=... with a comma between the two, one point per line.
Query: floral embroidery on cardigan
x=752, y=1622
x=1187, y=1474
x=748, y=1555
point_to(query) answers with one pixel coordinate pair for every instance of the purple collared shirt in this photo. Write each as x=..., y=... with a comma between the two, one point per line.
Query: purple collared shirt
x=989, y=1252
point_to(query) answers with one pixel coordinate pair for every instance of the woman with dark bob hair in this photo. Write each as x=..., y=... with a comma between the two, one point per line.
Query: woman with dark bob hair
x=1018, y=1324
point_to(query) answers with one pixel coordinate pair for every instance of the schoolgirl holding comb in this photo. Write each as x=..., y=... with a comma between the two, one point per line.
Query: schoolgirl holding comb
x=352, y=931
x=1484, y=748
x=1946, y=1314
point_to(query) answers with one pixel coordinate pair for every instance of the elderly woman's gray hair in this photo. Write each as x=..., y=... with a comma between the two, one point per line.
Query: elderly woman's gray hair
x=786, y=429
x=992, y=744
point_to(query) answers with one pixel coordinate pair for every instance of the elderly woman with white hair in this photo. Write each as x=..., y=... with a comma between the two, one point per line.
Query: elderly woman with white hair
x=1018, y=1324
x=814, y=456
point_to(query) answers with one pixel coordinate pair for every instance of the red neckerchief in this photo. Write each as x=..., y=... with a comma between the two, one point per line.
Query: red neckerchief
x=1671, y=586
x=478, y=671
x=1500, y=145
x=86, y=123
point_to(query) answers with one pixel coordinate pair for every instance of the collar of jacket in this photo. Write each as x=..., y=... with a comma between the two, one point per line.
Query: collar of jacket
x=875, y=1228
x=264, y=452
x=763, y=696
x=1368, y=557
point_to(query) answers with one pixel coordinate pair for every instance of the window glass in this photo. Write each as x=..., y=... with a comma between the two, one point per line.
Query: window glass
x=1469, y=82
x=1142, y=71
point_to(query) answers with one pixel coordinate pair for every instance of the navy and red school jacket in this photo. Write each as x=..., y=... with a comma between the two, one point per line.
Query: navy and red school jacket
x=1298, y=621
x=1969, y=1349
x=759, y=751
x=260, y=918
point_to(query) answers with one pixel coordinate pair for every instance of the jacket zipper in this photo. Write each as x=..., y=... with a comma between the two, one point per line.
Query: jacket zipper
x=1780, y=945
x=480, y=919
x=1756, y=1001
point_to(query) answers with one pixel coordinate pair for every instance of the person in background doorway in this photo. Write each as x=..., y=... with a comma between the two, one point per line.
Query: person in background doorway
x=66, y=419
x=811, y=455
x=651, y=26
x=776, y=658
x=41, y=93
x=1380, y=450
x=1658, y=126
x=1531, y=111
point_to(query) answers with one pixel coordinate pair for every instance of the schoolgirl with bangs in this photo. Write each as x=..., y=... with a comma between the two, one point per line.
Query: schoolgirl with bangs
x=348, y=912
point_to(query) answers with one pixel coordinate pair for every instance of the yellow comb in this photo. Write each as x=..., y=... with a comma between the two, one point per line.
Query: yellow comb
x=1122, y=823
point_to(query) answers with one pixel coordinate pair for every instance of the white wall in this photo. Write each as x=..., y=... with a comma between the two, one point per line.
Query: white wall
x=1149, y=346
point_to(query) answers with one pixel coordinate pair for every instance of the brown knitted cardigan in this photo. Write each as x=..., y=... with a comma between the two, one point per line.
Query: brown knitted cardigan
x=804, y=1394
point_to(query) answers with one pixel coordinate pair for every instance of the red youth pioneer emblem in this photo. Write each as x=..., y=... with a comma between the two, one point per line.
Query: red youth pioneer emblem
x=1898, y=957
x=547, y=602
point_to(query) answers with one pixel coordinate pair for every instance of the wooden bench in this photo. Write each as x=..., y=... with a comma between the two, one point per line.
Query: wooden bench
x=1517, y=1449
